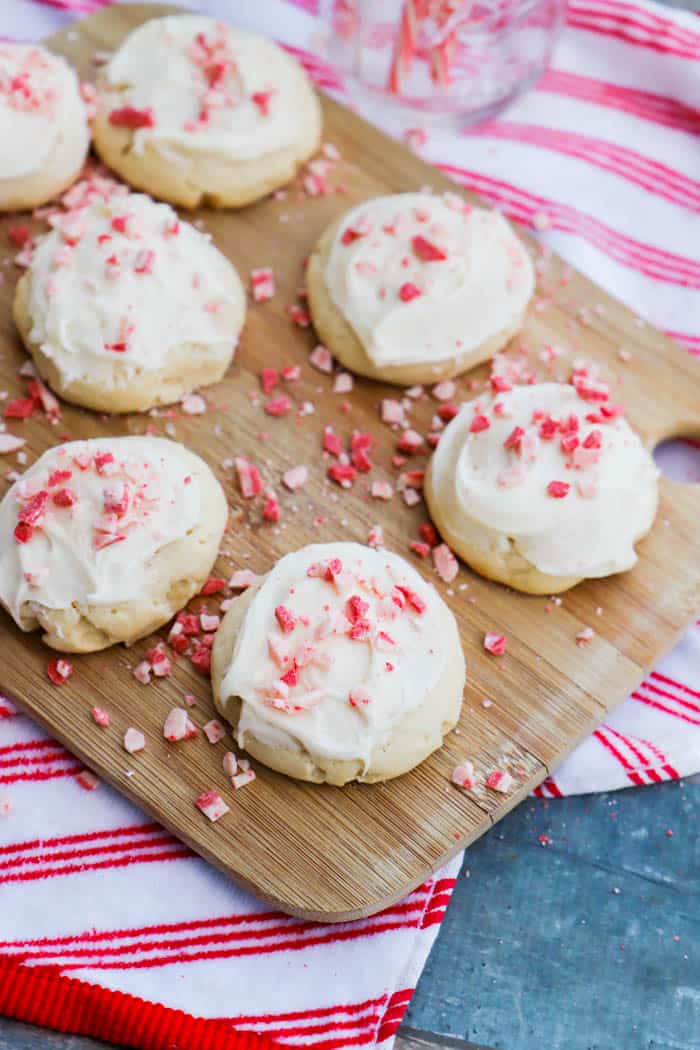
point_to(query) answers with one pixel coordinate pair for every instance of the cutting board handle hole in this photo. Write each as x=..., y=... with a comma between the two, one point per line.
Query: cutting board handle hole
x=678, y=458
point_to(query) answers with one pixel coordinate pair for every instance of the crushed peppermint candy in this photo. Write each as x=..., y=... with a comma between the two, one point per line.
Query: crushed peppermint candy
x=179, y=726
x=463, y=775
x=262, y=284
x=246, y=776
x=211, y=804
x=500, y=780
x=494, y=643
x=230, y=764
x=59, y=671
x=321, y=359
x=133, y=740
x=242, y=579
x=584, y=636
x=214, y=731
x=249, y=479
x=87, y=780
x=375, y=537
x=446, y=565
x=193, y=405
x=100, y=717
x=381, y=490
x=295, y=477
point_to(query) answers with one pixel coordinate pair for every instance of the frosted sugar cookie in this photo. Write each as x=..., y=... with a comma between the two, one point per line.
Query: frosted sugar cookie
x=43, y=126
x=414, y=288
x=196, y=112
x=543, y=486
x=124, y=306
x=102, y=541
x=340, y=664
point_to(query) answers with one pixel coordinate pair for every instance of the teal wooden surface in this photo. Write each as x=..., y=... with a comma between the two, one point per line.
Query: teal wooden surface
x=591, y=942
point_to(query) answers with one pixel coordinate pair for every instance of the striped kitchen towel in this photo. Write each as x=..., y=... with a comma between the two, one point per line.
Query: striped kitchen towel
x=111, y=927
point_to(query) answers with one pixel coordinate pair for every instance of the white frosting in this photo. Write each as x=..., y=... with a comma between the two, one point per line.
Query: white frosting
x=99, y=550
x=491, y=494
x=118, y=285
x=480, y=288
x=39, y=101
x=325, y=710
x=200, y=79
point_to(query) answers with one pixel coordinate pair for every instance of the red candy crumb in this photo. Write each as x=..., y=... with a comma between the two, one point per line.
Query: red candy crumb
x=23, y=532
x=500, y=385
x=343, y=474
x=426, y=251
x=300, y=316
x=447, y=411
x=360, y=446
x=19, y=408
x=331, y=442
x=479, y=422
x=278, y=406
x=271, y=509
x=64, y=498
x=419, y=548
x=19, y=235
x=59, y=671
x=285, y=618
x=100, y=717
x=515, y=439
x=409, y=291
x=413, y=599
x=214, y=585
x=558, y=489
x=129, y=117
x=269, y=378
x=262, y=101
x=428, y=533
x=409, y=442
x=494, y=643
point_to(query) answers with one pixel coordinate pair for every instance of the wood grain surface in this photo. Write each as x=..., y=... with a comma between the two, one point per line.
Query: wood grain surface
x=323, y=852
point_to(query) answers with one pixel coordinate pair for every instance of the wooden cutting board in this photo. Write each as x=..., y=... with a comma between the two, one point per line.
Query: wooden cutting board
x=323, y=852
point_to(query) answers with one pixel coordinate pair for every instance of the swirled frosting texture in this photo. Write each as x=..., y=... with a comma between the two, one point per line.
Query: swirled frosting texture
x=553, y=469
x=83, y=523
x=338, y=644
x=39, y=101
x=119, y=284
x=423, y=278
x=208, y=87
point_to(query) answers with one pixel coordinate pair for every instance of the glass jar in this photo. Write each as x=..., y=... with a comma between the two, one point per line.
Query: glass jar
x=439, y=61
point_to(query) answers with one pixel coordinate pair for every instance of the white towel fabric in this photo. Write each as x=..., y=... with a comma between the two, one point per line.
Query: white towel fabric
x=607, y=148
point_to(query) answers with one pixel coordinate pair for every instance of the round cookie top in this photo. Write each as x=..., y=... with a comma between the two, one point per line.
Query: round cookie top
x=554, y=467
x=190, y=81
x=424, y=278
x=39, y=100
x=83, y=523
x=340, y=641
x=116, y=285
